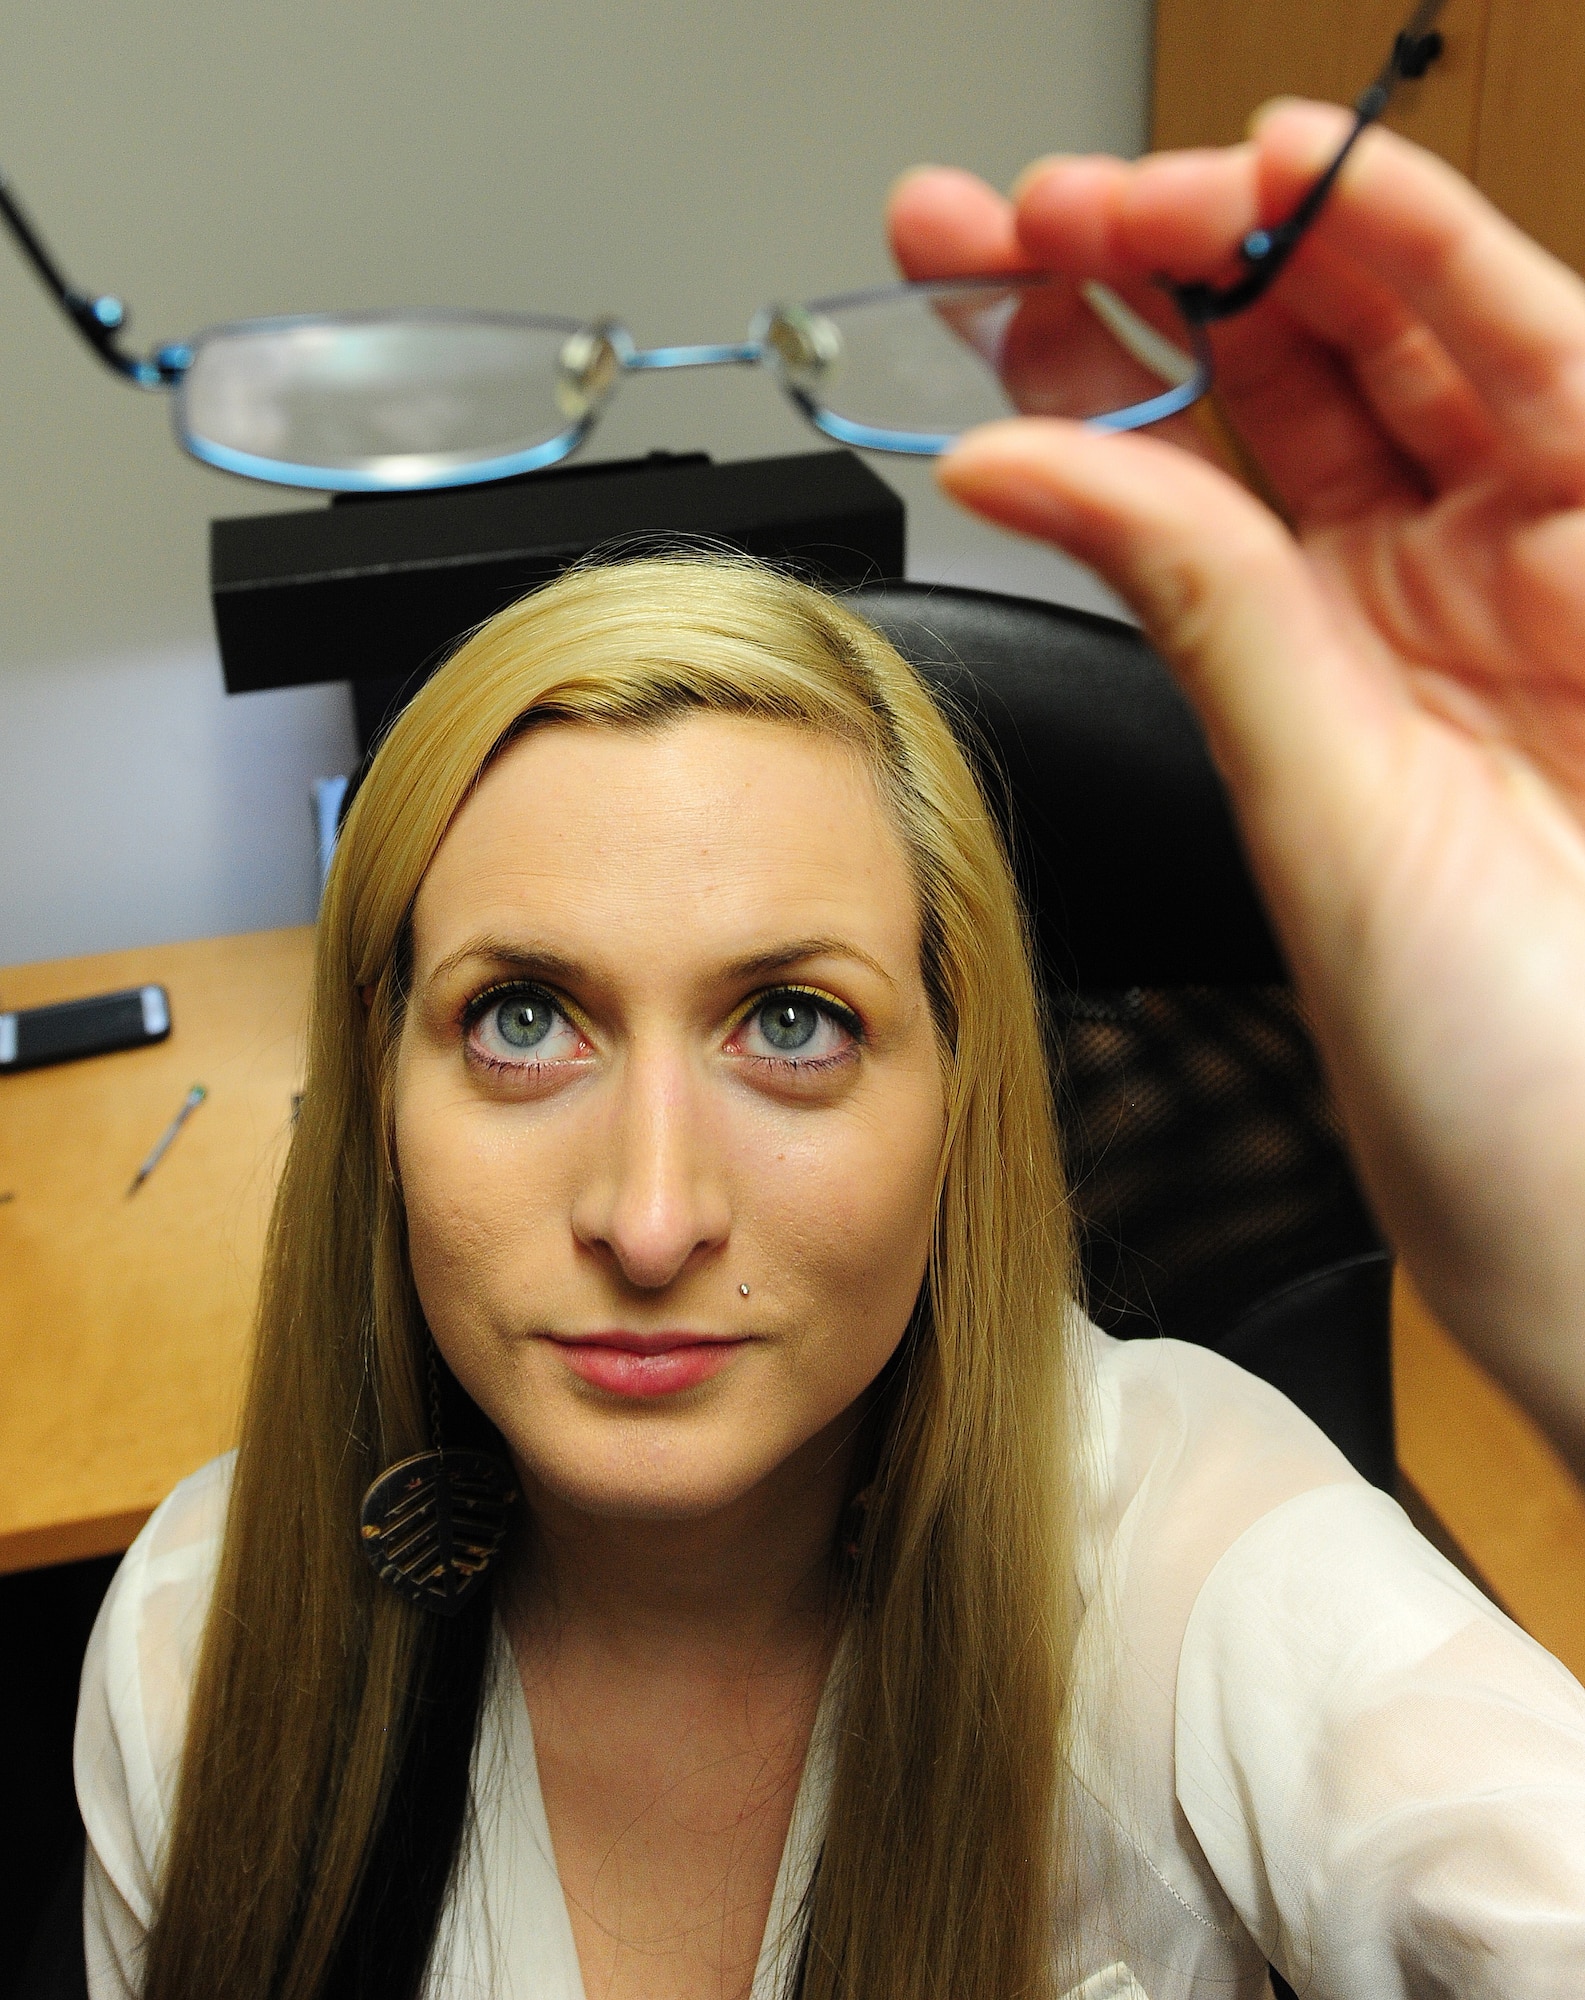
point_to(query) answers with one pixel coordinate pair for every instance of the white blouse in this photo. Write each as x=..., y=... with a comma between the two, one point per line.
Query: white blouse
x=1301, y=1736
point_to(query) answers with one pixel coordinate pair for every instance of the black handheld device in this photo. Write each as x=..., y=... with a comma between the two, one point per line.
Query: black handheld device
x=33, y=1036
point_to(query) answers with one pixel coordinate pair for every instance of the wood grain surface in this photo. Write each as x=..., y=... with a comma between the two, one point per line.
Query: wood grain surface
x=124, y=1322
x=1216, y=61
x=1505, y=102
x=1530, y=149
x=1491, y=1479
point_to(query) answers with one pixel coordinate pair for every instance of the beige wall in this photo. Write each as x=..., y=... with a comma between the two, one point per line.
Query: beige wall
x=677, y=161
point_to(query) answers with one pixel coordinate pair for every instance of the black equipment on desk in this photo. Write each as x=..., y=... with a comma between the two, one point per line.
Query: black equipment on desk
x=377, y=589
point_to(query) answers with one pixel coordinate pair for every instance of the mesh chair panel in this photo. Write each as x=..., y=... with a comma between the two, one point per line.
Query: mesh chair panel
x=1204, y=1155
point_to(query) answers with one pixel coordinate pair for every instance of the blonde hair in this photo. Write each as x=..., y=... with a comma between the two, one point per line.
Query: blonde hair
x=941, y=1859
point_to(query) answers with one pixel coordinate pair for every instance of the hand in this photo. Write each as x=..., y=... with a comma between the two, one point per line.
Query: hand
x=1392, y=677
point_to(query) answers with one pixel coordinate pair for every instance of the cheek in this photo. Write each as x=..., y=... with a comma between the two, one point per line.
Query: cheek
x=466, y=1195
x=448, y=1244
x=842, y=1232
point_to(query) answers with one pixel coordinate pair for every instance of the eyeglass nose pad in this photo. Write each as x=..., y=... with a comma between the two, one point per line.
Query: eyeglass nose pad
x=805, y=345
x=587, y=368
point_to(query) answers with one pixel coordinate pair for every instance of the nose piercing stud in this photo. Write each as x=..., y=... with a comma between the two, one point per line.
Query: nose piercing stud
x=744, y=1290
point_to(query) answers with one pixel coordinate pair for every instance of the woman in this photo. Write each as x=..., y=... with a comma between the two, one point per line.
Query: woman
x=677, y=1130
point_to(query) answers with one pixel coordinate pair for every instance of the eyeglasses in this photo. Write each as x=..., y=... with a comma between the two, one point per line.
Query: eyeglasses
x=392, y=401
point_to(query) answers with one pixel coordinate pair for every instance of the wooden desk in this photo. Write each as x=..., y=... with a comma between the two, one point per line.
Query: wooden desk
x=1495, y=1485
x=124, y=1324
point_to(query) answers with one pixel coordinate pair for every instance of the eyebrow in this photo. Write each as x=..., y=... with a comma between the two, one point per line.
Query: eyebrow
x=544, y=962
x=763, y=964
x=540, y=960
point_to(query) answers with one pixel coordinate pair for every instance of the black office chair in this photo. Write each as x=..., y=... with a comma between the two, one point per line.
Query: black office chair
x=1216, y=1201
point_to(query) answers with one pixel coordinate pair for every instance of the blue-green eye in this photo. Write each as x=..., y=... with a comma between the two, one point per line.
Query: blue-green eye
x=797, y=1029
x=789, y=1022
x=524, y=1020
x=521, y=1027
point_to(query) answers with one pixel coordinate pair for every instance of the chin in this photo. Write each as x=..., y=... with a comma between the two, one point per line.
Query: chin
x=622, y=1468
x=660, y=1458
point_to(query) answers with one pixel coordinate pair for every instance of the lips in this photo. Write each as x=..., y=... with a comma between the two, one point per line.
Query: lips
x=646, y=1365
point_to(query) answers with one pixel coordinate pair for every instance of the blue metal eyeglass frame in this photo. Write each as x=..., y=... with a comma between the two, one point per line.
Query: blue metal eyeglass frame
x=102, y=320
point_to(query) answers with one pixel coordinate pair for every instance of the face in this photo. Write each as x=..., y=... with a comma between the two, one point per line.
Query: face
x=669, y=1105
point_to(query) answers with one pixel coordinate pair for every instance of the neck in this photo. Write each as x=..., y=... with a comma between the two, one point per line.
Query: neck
x=754, y=1572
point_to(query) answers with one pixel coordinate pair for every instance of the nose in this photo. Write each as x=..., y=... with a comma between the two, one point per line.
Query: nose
x=655, y=1201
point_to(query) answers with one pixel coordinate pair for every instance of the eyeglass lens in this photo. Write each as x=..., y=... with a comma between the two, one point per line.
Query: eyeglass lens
x=939, y=359
x=404, y=398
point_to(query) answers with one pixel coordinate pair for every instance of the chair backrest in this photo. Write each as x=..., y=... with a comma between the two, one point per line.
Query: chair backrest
x=1216, y=1199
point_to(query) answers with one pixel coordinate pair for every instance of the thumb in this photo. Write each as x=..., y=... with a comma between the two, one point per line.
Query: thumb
x=1299, y=714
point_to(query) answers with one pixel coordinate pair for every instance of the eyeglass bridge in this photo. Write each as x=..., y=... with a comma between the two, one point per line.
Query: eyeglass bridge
x=802, y=345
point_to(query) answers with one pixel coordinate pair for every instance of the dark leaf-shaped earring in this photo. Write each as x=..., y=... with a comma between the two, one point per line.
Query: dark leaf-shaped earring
x=432, y=1524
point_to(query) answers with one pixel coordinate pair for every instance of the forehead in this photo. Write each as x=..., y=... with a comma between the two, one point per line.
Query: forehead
x=707, y=837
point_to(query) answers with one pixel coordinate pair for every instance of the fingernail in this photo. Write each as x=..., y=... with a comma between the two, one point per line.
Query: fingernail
x=1326, y=121
x=912, y=174
x=1034, y=170
x=994, y=449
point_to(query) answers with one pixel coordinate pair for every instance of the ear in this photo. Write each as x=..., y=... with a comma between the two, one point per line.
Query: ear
x=366, y=995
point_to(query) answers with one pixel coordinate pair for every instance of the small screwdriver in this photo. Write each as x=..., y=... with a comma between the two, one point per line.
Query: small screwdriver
x=190, y=1104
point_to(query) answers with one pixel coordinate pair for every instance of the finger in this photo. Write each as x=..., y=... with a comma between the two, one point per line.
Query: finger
x=944, y=223
x=1302, y=709
x=1506, y=315
x=1510, y=316
x=1063, y=207
x=1410, y=385
x=1055, y=357
x=1090, y=215
x=1419, y=396
x=1321, y=446
x=1064, y=212
x=1298, y=409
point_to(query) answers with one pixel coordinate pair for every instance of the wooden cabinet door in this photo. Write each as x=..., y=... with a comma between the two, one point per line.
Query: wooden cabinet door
x=1505, y=103
x=1217, y=60
x=1530, y=145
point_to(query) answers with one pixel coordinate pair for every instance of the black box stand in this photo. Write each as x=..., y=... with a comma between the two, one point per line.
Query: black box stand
x=377, y=590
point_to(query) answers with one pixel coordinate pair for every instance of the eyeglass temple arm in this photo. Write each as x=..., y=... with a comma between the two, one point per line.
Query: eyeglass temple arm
x=1266, y=251
x=99, y=319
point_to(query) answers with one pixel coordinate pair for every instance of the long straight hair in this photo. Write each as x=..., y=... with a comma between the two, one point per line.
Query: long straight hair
x=942, y=1855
